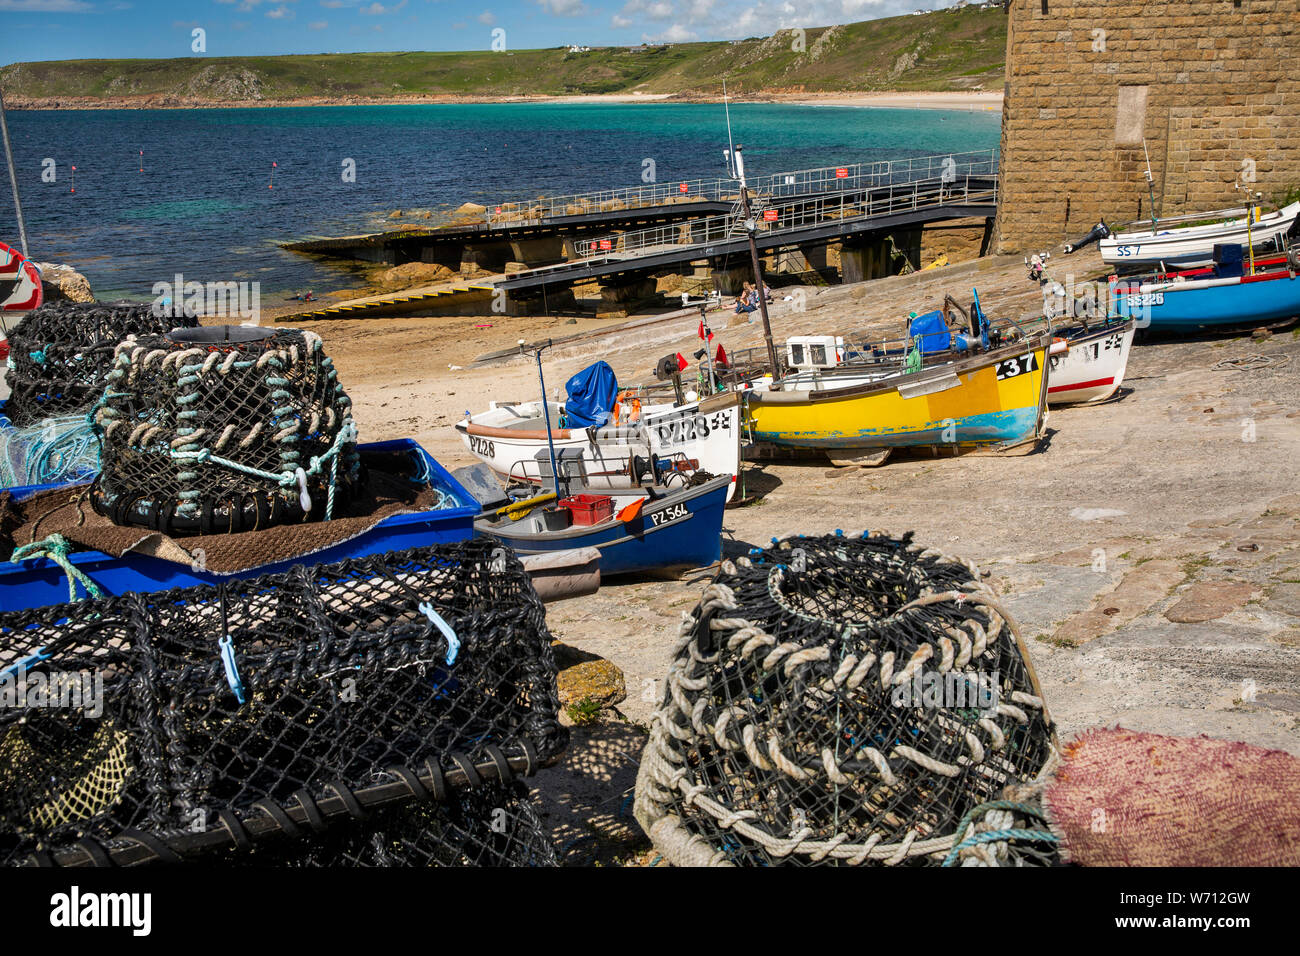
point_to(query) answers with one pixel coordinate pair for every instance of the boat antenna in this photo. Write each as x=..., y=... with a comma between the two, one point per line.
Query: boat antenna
x=546, y=411
x=731, y=148
x=13, y=178
x=1151, y=188
x=750, y=228
x=1251, y=200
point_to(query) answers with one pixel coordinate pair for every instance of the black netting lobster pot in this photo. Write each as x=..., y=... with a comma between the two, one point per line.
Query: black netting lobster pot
x=381, y=711
x=224, y=429
x=61, y=354
x=847, y=700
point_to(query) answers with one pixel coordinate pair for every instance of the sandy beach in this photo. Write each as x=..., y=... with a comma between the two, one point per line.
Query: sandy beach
x=968, y=100
x=1158, y=482
x=981, y=100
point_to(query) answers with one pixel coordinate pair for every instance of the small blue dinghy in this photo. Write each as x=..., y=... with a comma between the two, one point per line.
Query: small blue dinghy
x=1222, y=296
x=642, y=529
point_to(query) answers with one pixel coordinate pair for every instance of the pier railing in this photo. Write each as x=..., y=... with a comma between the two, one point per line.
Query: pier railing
x=796, y=215
x=849, y=177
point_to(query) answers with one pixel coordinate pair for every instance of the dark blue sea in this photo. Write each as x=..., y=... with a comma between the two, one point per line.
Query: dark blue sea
x=202, y=206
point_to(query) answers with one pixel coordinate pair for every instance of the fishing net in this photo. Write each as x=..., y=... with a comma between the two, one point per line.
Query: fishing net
x=846, y=700
x=58, y=450
x=60, y=355
x=378, y=710
x=224, y=429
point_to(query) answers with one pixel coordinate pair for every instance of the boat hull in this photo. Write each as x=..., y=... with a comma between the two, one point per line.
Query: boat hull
x=993, y=399
x=680, y=529
x=1093, y=368
x=39, y=581
x=1213, y=303
x=1194, y=246
x=21, y=289
x=707, y=432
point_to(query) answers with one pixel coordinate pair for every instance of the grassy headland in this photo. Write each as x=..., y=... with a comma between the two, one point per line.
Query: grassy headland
x=946, y=50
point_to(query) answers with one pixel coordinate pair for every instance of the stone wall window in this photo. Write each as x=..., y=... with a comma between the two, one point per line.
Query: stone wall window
x=1131, y=115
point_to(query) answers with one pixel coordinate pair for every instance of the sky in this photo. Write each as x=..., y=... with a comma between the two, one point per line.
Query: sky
x=91, y=29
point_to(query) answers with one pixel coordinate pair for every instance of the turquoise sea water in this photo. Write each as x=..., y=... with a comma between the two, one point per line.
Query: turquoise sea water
x=202, y=206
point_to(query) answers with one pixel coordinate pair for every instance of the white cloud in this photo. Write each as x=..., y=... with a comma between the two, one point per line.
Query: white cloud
x=280, y=13
x=674, y=34
x=564, y=8
x=377, y=9
x=318, y=25
x=735, y=19
x=487, y=18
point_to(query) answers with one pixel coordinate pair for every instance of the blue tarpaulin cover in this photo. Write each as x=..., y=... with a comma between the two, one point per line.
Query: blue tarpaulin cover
x=933, y=331
x=591, y=396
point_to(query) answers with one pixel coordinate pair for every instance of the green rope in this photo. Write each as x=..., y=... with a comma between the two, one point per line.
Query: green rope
x=999, y=836
x=285, y=479
x=914, y=359
x=56, y=548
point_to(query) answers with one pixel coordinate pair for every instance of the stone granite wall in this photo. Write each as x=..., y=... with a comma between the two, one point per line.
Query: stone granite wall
x=1212, y=85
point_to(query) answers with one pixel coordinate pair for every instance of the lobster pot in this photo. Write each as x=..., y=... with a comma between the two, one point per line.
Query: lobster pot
x=375, y=711
x=840, y=700
x=60, y=355
x=224, y=429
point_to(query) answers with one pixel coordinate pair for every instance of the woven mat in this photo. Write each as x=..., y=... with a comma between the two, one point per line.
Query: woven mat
x=1122, y=798
x=68, y=512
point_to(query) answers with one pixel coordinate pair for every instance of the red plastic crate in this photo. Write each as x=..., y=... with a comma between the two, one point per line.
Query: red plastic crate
x=589, y=509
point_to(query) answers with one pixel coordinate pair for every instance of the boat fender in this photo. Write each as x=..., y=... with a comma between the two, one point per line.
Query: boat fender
x=1059, y=346
x=629, y=403
x=632, y=511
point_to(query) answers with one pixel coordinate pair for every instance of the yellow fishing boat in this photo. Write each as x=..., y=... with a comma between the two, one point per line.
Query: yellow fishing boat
x=987, y=398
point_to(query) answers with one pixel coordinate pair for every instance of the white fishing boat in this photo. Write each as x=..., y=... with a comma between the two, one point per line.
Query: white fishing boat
x=696, y=436
x=1089, y=364
x=1194, y=245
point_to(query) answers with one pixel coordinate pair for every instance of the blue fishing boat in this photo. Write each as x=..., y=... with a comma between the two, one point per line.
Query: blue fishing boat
x=635, y=530
x=40, y=581
x=1219, y=297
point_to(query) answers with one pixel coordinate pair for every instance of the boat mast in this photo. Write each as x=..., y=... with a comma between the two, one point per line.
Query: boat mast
x=750, y=228
x=736, y=166
x=1151, y=189
x=546, y=412
x=13, y=177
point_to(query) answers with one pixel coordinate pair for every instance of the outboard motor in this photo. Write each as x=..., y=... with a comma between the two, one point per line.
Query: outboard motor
x=1099, y=232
